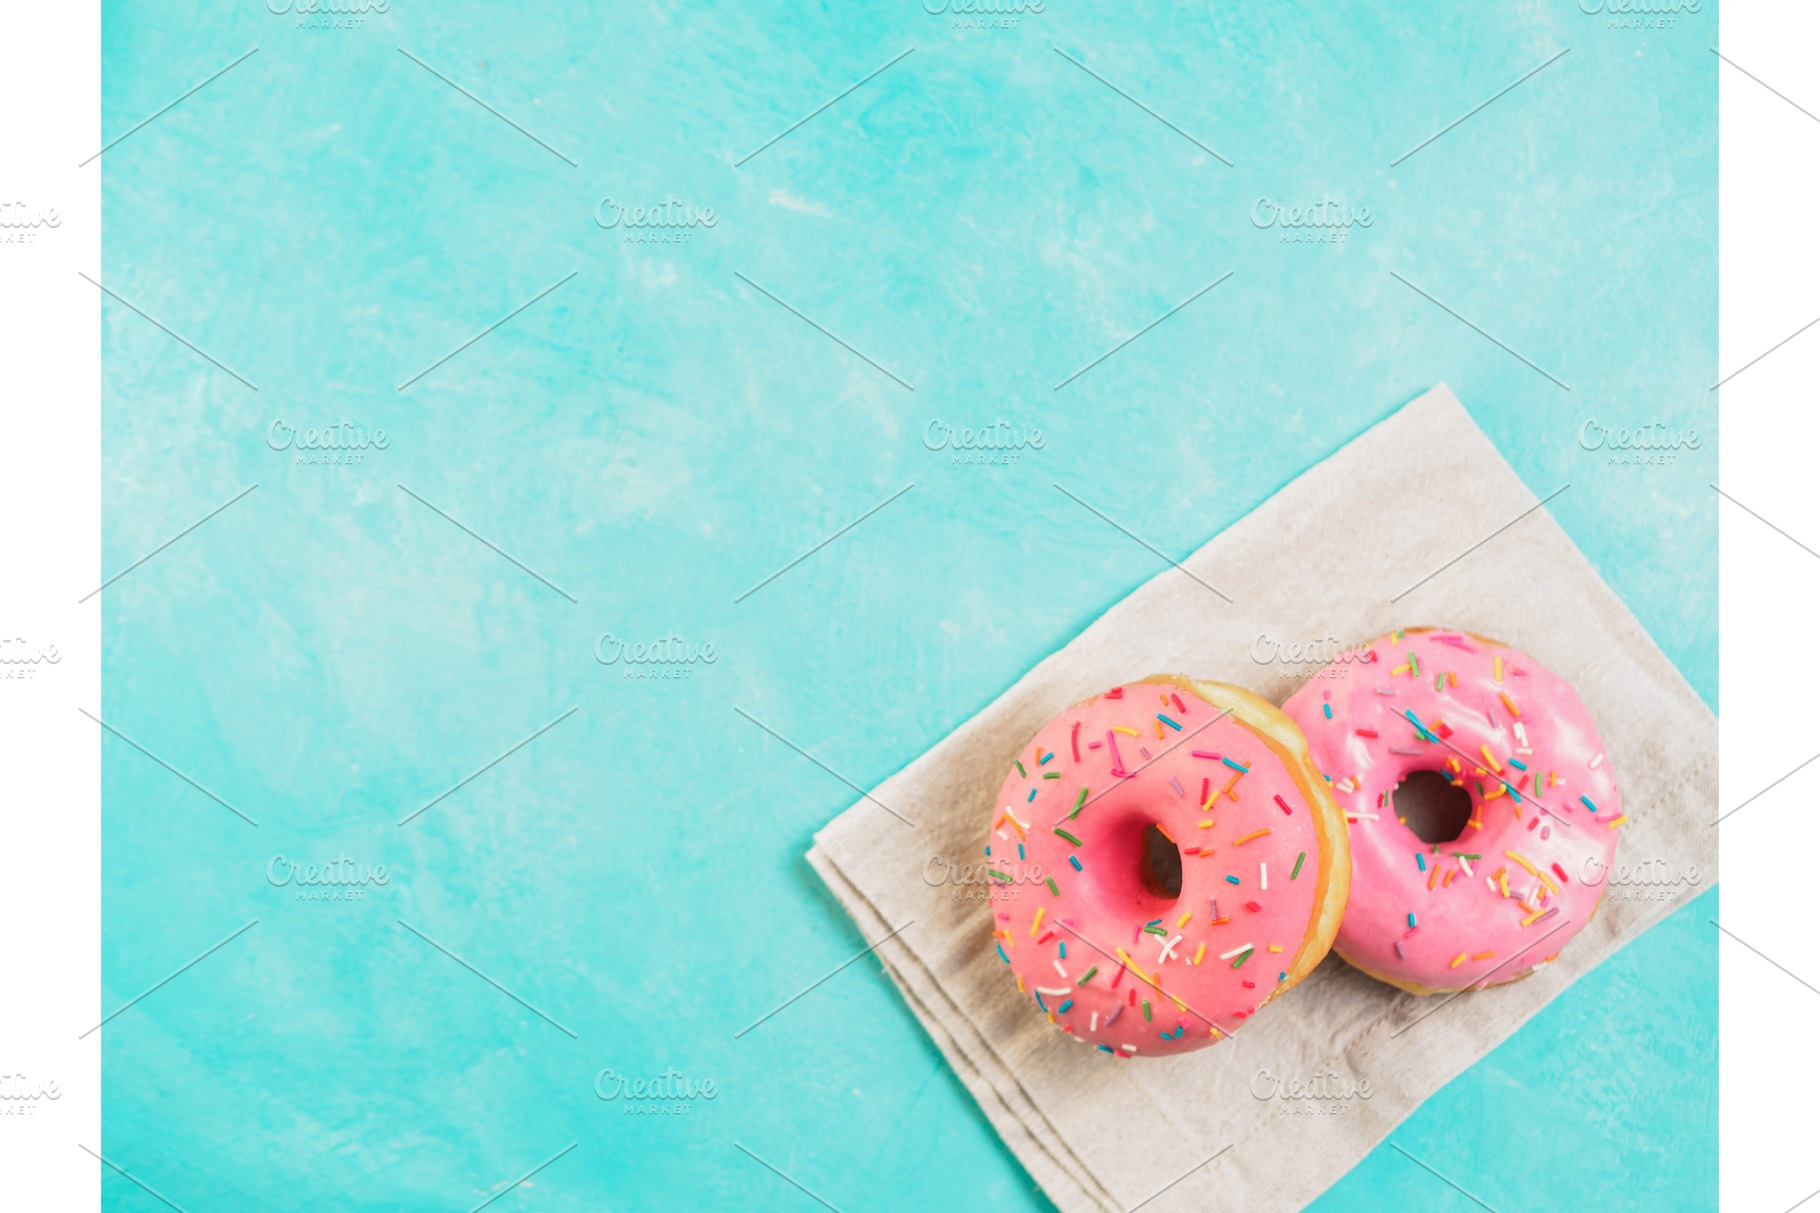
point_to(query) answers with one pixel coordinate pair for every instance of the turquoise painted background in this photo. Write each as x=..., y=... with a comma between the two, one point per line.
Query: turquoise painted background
x=655, y=436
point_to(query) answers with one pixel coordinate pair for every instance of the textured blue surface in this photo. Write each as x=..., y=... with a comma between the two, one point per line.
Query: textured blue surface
x=655, y=436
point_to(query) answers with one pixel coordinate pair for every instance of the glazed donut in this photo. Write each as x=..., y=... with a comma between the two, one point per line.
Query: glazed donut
x=1501, y=899
x=1175, y=863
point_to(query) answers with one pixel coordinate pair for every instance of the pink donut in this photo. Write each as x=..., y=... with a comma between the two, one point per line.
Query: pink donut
x=1502, y=898
x=1173, y=862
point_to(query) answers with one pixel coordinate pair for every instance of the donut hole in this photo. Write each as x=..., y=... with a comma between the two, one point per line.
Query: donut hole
x=1160, y=864
x=1434, y=810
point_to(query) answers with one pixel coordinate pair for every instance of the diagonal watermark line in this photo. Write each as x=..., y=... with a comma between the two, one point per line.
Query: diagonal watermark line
x=1475, y=547
x=174, y=334
x=838, y=969
x=173, y=105
x=820, y=329
x=1475, y=109
x=1803, y=1200
x=167, y=766
x=489, y=543
x=167, y=543
x=1127, y=341
x=1760, y=518
x=483, y=770
x=483, y=332
x=1765, y=354
x=1127, y=96
x=824, y=766
x=1481, y=332
x=1562, y=819
x=470, y=968
x=1759, y=80
x=1478, y=983
x=818, y=109
x=1158, y=551
x=514, y=1184
x=483, y=105
x=787, y=1179
x=186, y=967
x=124, y=1173
x=1178, y=1179
x=1790, y=775
x=824, y=543
x=1790, y=972
x=1450, y=1183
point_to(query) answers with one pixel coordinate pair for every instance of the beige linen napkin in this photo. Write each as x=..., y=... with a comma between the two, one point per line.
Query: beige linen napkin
x=1321, y=560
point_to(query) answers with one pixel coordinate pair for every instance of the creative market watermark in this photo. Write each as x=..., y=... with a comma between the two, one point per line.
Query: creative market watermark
x=974, y=16
x=671, y=1093
x=341, y=444
x=22, y=659
x=1640, y=880
x=996, y=444
x=1641, y=15
x=1323, y=222
x=327, y=14
x=339, y=880
x=668, y=658
x=1322, y=657
x=1652, y=445
x=22, y=223
x=994, y=880
x=1323, y=1093
x=667, y=222
x=23, y=1095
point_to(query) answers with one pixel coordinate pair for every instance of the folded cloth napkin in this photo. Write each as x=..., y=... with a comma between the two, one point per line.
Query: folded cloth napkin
x=1331, y=557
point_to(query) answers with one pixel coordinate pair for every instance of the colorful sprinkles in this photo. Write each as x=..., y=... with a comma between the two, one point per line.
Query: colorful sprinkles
x=1509, y=740
x=1061, y=777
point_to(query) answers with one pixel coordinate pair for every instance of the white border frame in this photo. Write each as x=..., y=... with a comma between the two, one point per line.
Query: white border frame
x=50, y=499
x=1769, y=163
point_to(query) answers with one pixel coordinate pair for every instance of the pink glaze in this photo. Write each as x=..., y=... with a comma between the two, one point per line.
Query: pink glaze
x=1068, y=959
x=1502, y=930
